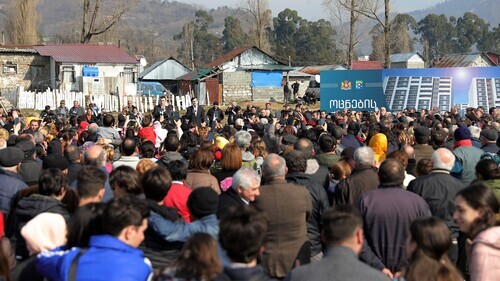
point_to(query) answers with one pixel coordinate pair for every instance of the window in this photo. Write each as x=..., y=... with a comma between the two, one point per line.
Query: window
x=128, y=75
x=68, y=74
x=10, y=67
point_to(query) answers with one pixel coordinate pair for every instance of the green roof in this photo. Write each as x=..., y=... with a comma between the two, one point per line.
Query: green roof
x=195, y=74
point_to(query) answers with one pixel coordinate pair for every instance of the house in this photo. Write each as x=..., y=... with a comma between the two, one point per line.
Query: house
x=407, y=60
x=245, y=73
x=308, y=76
x=90, y=68
x=464, y=60
x=166, y=72
x=364, y=65
x=495, y=57
x=23, y=66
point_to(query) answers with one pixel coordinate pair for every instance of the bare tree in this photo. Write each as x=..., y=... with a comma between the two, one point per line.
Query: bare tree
x=21, y=21
x=343, y=13
x=96, y=21
x=260, y=15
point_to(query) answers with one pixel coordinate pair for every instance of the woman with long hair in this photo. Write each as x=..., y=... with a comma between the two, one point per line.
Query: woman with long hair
x=198, y=261
x=427, y=249
x=477, y=216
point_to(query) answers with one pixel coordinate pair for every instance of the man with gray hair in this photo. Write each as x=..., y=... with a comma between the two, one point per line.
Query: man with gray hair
x=243, y=190
x=439, y=188
x=475, y=133
x=288, y=206
x=243, y=140
x=96, y=156
x=363, y=178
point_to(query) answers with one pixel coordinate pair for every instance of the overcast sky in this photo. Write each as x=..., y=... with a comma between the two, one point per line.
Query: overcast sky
x=312, y=9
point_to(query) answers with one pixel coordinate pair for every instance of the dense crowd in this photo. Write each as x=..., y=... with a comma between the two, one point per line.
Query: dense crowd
x=249, y=193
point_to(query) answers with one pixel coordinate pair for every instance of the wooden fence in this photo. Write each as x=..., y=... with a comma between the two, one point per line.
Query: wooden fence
x=111, y=103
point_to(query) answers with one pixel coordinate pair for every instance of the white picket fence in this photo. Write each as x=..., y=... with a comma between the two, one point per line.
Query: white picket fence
x=111, y=103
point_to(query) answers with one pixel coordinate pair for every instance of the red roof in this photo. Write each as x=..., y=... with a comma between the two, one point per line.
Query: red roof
x=227, y=57
x=86, y=53
x=493, y=57
x=362, y=65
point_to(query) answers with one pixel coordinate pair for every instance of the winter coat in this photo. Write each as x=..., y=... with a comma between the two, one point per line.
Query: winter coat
x=319, y=205
x=468, y=156
x=161, y=253
x=364, y=178
x=200, y=178
x=11, y=185
x=485, y=255
x=107, y=259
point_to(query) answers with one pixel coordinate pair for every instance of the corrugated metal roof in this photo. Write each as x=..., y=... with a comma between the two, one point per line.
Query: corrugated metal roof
x=362, y=65
x=228, y=56
x=461, y=60
x=86, y=53
x=494, y=57
x=195, y=74
x=403, y=57
x=316, y=69
x=268, y=67
x=164, y=71
x=17, y=49
x=234, y=53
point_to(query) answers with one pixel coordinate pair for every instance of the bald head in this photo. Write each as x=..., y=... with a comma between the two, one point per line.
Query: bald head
x=274, y=167
x=408, y=149
x=443, y=159
x=306, y=147
x=95, y=156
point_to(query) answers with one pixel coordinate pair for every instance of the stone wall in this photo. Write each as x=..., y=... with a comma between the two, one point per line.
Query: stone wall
x=271, y=94
x=33, y=71
x=236, y=86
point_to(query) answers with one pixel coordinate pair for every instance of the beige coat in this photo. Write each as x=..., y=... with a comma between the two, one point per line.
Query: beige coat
x=200, y=178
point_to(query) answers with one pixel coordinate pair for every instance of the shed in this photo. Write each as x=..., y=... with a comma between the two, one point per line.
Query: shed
x=464, y=60
x=166, y=72
x=407, y=60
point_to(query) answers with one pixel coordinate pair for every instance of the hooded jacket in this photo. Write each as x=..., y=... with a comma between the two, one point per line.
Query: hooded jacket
x=485, y=255
x=379, y=145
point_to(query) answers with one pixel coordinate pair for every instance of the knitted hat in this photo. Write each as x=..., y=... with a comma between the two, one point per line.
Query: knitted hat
x=203, y=201
x=462, y=133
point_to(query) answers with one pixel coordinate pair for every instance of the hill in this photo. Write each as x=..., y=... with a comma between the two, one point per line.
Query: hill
x=486, y=9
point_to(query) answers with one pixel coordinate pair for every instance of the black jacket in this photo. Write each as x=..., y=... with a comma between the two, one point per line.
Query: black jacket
x=26, y=209
x=160, y=252
x=212, y=112
x=30, y=171
x=228, y=199
x=439, y=189
x=319, y=205
x=197, y=118
x=364, y=178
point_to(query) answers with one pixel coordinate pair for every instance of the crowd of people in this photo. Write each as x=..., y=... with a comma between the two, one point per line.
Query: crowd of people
x=249, y=193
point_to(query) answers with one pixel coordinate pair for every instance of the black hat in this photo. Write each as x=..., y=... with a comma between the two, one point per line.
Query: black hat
x=203, y=201
x=55, y=161
x=11, y=156
x=28, y=148
x=489, y=134
x=421, y=131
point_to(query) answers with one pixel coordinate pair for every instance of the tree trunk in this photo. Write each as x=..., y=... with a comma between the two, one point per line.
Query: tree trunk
x=387, y=44
x=352, y=23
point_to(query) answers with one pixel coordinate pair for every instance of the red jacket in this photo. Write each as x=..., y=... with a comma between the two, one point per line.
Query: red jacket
x=177, y=198
x=147, y=133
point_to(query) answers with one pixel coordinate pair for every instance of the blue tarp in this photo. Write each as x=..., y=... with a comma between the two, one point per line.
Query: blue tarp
x=267, y=79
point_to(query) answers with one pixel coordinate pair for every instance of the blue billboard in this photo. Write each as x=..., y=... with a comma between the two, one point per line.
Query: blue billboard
x=397, y=89
x=352, y=89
